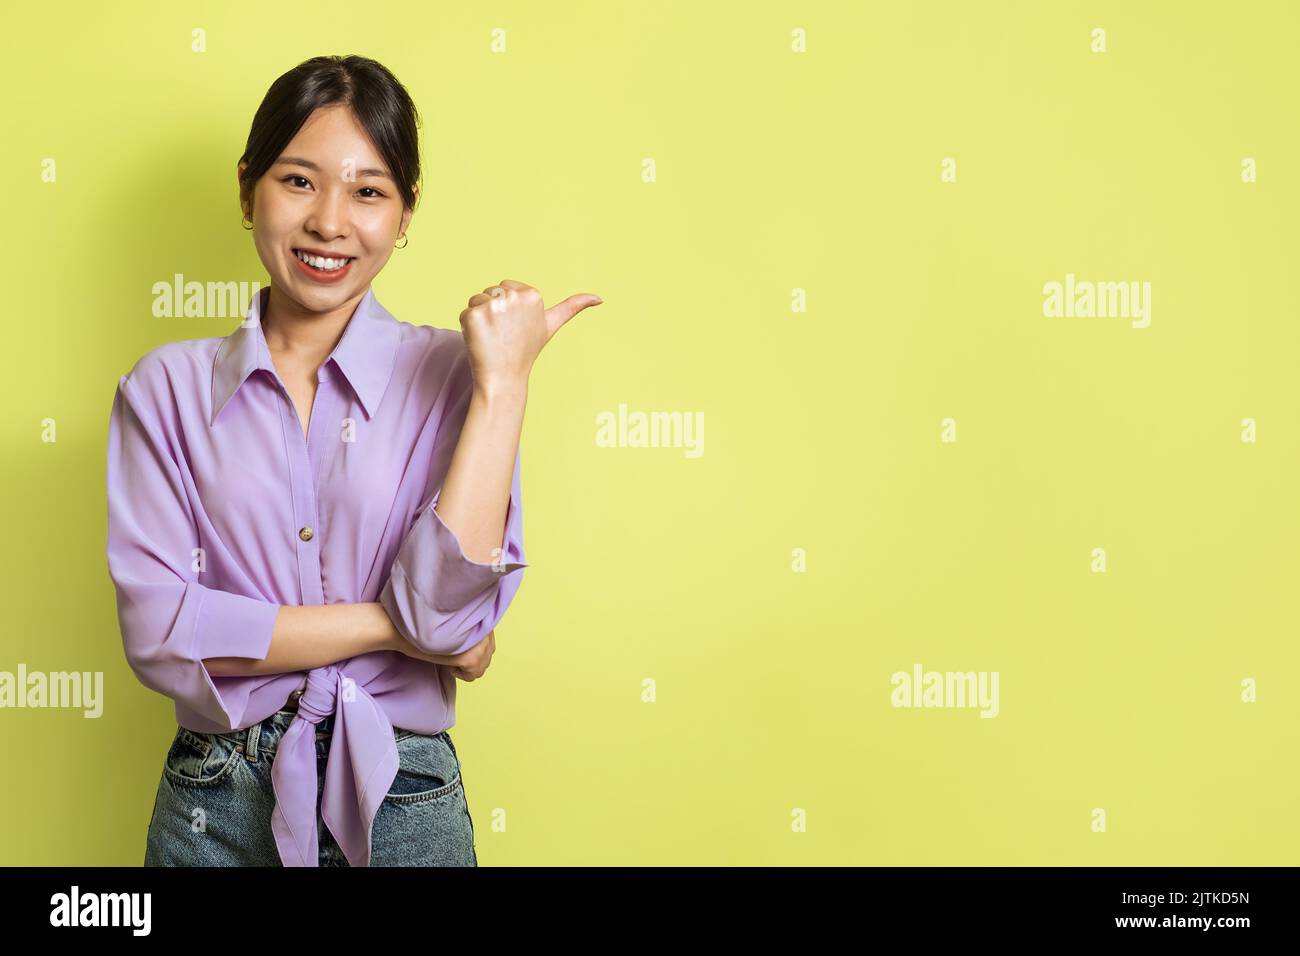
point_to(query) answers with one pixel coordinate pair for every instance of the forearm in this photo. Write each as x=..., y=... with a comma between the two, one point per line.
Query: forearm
x=308, y=636
x=476, y=491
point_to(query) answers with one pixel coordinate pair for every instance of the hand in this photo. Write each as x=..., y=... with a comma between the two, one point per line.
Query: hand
x=505, y=333
x=471, y=664
x=467, y=665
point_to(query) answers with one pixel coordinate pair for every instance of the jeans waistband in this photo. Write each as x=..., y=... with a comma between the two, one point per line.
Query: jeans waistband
x=264, y=736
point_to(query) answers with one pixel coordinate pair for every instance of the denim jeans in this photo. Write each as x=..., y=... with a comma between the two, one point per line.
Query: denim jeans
x=215, y=798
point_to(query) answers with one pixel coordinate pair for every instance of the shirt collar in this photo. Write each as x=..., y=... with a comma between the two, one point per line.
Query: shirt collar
x=366, y=353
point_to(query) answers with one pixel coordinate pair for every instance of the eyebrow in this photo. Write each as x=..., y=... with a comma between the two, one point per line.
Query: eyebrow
x=299, y=161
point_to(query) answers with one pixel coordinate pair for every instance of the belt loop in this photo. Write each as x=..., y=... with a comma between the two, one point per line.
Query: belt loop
x=254, y=736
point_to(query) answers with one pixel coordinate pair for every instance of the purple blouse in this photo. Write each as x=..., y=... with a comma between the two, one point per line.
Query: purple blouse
x=220, y=511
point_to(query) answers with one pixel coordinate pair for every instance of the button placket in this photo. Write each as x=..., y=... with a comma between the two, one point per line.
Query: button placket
x=321, y=449
x=302, y=483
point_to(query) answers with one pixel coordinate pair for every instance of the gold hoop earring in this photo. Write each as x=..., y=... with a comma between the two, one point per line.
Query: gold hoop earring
x=403, y=245
x=246, y=220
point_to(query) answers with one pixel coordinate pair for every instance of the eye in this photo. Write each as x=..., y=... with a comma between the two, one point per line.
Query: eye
x=295, y=176
x=377, y=193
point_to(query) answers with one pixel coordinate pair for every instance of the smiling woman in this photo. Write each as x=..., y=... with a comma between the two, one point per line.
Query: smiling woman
x=323, y=508
x=272, y=533
x=329, y=180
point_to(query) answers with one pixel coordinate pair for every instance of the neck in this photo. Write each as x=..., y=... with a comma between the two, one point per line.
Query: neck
x=289, y=329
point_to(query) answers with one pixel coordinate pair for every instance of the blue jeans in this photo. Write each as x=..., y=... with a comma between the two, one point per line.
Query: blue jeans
x=215, y=798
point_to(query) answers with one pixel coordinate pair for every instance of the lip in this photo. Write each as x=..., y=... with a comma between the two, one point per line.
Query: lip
x=326, y=253
x=317, y=275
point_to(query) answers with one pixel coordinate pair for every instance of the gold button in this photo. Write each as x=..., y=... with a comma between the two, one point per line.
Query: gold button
x=305, y=534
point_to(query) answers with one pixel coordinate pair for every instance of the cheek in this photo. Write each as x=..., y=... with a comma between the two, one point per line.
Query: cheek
x=268, y=237
x=371, y=263
x=265, y=252
x=274, y=216
x=378, y=234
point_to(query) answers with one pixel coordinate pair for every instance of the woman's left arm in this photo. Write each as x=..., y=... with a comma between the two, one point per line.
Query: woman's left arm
x=476, y=492
x=441, y=593
x=505, y=328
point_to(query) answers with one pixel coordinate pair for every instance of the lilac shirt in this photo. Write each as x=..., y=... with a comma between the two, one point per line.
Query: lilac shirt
x=219, y=511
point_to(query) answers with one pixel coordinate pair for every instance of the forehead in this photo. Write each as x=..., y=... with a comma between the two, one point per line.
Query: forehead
x=331, y=137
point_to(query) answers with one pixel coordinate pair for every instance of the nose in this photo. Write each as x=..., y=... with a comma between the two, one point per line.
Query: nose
x=328, y=218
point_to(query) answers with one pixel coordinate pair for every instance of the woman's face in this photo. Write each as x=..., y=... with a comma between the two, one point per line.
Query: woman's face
x=329, y=193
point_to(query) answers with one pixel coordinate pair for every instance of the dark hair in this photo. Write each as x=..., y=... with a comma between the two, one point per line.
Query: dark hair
x=380, y=103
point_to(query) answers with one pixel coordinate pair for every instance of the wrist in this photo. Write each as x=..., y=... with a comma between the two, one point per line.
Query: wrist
x=384, y=636
x=501, y=391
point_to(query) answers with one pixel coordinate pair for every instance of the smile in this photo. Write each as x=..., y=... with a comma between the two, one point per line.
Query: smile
x=323, y=268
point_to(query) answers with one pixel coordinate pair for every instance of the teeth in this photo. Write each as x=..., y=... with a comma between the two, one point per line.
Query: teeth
x=318, y=262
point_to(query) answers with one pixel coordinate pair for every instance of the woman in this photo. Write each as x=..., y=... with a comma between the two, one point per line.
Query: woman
x=314, y=522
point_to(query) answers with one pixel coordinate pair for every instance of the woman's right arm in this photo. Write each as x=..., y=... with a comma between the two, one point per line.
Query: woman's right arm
x=317, y=635
x=172, y=625
x=314, y=635
x=310, y=636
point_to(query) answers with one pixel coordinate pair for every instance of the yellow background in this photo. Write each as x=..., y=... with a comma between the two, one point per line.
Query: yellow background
x=775, y=171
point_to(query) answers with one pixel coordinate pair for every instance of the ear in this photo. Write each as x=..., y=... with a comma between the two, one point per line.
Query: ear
x=245, y=192
x=408, y=213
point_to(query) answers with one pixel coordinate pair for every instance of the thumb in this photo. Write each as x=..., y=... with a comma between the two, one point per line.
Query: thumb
x=561, y=312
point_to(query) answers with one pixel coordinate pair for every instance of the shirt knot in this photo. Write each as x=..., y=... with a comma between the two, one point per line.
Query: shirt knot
x=322, y=694
x=360, y=767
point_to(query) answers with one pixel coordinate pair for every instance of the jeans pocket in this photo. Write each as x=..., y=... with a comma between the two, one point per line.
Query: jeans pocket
x=428, y=769
x=200, y=760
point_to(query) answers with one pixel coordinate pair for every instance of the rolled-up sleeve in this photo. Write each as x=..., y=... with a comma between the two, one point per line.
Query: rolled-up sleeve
x=169, y=621
x=440, y=599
